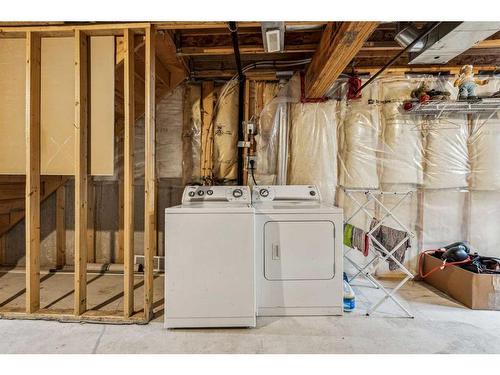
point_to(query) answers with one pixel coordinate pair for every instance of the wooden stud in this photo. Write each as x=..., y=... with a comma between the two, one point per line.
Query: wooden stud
x=121, y=207
x=60, y=227
x=207, y=130
x=149, y=172
x=81, y=170
x=3, y=250
x=91, y=253
x=128, y=184
x=32, y=205
x=337, y=47
x=246, y=117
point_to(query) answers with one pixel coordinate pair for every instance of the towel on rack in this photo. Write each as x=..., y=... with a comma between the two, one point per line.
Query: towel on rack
x=356, y=238
x=390, y=238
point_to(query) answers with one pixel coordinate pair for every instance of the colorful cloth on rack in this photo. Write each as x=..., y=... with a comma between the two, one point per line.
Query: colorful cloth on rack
x=356, y=238
x=390, y=238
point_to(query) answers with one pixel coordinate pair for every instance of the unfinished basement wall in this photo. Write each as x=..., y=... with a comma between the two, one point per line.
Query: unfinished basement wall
x=105, y=197
x=449, y=166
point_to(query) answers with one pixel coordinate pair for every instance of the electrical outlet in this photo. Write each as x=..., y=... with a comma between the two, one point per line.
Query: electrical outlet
x=253, y=159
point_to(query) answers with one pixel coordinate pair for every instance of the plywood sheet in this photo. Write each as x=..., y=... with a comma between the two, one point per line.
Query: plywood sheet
x=12, y=105
x=57, y=107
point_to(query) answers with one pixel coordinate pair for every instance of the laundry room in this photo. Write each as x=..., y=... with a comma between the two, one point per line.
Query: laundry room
x=250, y=186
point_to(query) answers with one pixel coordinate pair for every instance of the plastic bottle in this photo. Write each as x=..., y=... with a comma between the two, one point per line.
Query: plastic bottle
x=349, y=297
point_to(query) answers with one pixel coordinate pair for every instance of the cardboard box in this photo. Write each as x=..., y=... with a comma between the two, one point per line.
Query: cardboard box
x=477, y=291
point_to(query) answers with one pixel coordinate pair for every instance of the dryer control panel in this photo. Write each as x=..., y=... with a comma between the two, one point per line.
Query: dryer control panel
x=223, y=194
x=285, y=193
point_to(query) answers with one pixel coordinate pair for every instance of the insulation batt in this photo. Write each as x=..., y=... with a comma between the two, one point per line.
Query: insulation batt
x=358, y=162
x=225, y=126
x=267, y=136
x=447, y=159
x=485, y=221
x=402, y=156
x=169, y=115
x=484, y=146
x=444, y=219
x=313, y=147
x=191, y=134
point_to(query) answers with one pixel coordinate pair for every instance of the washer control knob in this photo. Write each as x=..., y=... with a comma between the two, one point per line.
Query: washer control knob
x=237, y=193
x=264, y=193
x=201, y=193
x=312, y=192
x=210, y=192
x=191, y=193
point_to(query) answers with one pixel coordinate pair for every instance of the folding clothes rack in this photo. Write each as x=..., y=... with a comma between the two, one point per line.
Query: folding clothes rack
x=377, y=258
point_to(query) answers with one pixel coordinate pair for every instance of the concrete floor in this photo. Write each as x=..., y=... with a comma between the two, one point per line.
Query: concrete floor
x=440, y=326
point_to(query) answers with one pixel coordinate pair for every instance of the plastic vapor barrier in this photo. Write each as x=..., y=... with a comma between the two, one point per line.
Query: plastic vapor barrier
x=449, y=162
x=313, y=147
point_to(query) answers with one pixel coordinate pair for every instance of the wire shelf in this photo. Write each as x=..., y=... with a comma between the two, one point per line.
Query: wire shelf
x=439, y=107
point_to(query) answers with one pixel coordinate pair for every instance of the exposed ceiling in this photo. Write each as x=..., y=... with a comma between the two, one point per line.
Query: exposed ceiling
x=206, y=49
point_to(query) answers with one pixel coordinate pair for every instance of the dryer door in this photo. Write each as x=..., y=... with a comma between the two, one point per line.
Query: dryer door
x=299, y=250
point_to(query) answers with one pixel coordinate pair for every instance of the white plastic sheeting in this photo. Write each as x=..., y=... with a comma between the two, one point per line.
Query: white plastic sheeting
x=447, y=158
x=276, y=99
x=485, y=152
x=359, y=139
x=402, y=156
x=451, y=164
x=169, y=118
x=485, y=222
x=313, y=147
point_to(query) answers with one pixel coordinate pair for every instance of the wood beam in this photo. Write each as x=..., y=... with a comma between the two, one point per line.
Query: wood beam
x=453, y=69
x=149, y=172
x=337, y=47
x=81, y=169
x=244, y=50
x=60, y=227
x=32, y=205
x=128, y=184
x=207, y=131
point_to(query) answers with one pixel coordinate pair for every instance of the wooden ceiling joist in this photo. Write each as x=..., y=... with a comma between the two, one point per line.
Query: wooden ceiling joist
x=339, y=44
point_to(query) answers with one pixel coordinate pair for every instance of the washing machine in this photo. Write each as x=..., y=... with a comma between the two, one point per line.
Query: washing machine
x=298, y=244
x=209, y=259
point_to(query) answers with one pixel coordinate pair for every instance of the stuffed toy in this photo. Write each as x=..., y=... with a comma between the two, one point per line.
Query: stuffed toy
x=467, y=83
x=423, y=93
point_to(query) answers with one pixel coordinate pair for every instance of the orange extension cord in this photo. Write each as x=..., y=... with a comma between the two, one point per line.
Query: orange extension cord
x=445, y=264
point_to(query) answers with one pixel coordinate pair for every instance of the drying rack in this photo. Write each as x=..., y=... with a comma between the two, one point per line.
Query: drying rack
x=367, y=270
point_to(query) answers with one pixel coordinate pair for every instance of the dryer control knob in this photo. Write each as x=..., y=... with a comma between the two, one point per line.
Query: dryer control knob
x=237, y=193
x=264, y=193
x=210, y=192
x=191, y=193
x=201, y=193
x=312, y=192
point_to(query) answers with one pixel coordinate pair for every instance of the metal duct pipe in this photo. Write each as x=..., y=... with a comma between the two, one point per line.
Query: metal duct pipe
x=398, y=55
x=241, y=97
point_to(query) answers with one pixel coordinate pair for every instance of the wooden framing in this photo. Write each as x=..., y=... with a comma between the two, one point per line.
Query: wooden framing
x=81, y=169
x=337, y=47
x=83, y=231
x=207, y=136
x=149, y=171
x=60, y=227
x=128, y=183
x=32, y=206
x=246, y=117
